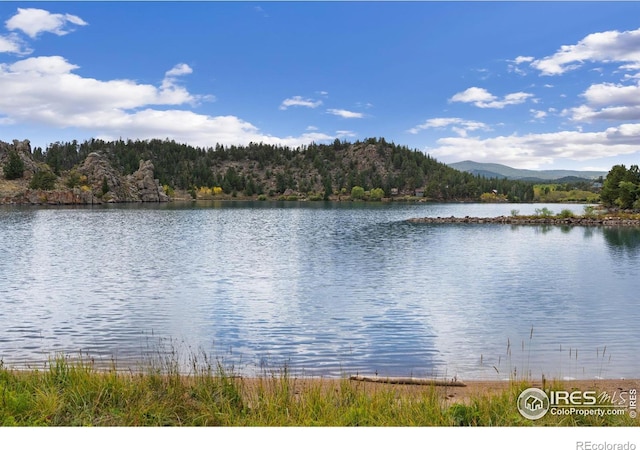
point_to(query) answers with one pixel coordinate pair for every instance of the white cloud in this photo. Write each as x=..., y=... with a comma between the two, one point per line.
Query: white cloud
x=299, y=101
x=41, y=65
x=515, y=64
x=345, y=133
x=523, y=59
x=634, y=66
x=459, y=126
x=345, y=114
x=585, y=113
x=170, y=86
x=609, y=93
x=606, y=47
x=45, y=87
x=608, y=101
x=33, y=21
x=537, y=114
x=197, y=129
x=482, y=98
x=44, y=92
x=533, y=150
x=366, y=105
x=473, y=95
x=179, y=69
x=484, y=74
x=13, y=44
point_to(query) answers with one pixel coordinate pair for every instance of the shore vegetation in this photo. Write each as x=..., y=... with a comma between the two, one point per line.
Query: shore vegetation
x=77, y=393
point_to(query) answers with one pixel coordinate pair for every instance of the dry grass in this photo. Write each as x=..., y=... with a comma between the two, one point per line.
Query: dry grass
x=77, y=394
x=10, y=188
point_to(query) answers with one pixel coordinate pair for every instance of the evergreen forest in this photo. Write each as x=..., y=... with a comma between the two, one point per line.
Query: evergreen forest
x=319, y=170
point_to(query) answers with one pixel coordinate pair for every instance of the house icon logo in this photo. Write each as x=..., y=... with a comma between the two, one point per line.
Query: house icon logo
x=533, y=403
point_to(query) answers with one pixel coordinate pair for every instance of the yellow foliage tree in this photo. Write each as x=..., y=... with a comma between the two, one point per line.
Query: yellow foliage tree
x=492, y=197
x=204, y=191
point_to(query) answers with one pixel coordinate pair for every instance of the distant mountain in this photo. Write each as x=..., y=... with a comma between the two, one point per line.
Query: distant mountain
x=489, y=170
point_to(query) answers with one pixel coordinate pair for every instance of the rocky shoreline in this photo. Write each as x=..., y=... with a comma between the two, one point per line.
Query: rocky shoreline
x=519, y=220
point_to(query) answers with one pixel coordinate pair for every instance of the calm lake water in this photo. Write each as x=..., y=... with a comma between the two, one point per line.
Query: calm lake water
x=323, y=289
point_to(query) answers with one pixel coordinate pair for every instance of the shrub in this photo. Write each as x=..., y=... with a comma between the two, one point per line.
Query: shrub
x=566, y=213
x=493, y=197
x=544, y=212
x=168, y=190
x=376, y=194
x=75, y=179
x=204, y=191
x=44, y=180
x=357, y=192
x=589, y=211
x=14, y=167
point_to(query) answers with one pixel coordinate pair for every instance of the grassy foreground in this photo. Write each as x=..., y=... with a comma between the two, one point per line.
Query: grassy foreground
x=78, y=394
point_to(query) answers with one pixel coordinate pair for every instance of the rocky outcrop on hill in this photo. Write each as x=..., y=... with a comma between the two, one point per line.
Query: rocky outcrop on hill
x=103, y=180
x=95, y=181
x=144, y=187
x=140, y=186
x=23, y=149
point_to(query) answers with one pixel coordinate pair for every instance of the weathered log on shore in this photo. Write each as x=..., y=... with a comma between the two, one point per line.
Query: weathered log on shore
x=407, y=380
x=508, y=220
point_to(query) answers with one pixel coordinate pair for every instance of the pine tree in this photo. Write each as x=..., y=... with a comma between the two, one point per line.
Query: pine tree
x=14, y=167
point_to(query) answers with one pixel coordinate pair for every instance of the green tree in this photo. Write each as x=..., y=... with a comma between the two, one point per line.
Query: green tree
x=357, y=192
x=621, y=188
x=328, y=188
x=14, y=167
x=627, y=194
x=376, y=194
x=44, y=180
x=611, y=186
x=105, y=185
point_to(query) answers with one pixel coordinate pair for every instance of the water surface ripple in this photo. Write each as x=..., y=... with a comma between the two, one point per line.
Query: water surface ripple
x=324, y=289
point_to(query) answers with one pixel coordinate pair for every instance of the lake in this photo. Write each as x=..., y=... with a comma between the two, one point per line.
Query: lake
x=323, y=289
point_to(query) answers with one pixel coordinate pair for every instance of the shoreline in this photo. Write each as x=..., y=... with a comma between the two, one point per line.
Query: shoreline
x=611, y=221
x=458, y=392
x=459, y=387
x=66, y=394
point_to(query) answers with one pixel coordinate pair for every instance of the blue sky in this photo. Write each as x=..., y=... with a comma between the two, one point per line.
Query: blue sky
x=536, y=85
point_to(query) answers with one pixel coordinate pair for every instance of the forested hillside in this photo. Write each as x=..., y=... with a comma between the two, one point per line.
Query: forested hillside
x=319, y=170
